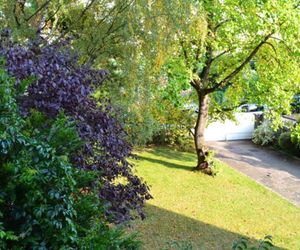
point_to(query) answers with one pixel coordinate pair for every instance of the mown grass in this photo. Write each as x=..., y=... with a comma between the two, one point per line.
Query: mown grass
x=209, y=213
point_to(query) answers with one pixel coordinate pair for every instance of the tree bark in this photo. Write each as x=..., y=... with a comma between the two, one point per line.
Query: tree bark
x=201, y=150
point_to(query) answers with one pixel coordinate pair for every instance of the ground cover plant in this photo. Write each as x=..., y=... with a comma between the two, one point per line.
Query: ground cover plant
x=192, y=209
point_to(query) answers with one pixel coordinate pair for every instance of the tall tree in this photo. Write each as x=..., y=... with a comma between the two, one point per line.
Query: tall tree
x=117, y=35
x=249, y=48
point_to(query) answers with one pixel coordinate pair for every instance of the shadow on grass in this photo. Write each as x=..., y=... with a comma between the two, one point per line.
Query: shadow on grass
x=166, y=164
x=162, y=227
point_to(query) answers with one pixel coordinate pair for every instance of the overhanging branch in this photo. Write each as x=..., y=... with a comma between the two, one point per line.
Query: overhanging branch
x=223, y=82
x=221, y=54
x=220, y=24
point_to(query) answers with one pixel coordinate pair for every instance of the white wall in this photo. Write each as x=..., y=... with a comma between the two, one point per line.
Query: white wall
x=230, y=130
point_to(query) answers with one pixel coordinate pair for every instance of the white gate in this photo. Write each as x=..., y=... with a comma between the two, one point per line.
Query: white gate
x=229, y=130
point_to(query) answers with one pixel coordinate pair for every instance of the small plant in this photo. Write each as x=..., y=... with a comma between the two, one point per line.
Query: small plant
x=179, y=245
x=264, y=134
x=243, y=243
x=210, y=158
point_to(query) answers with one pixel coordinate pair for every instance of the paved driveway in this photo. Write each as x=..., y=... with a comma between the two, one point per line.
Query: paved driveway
x=276, y=170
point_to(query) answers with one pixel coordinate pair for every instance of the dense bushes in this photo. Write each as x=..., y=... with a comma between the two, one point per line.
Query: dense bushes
x=285, y=142
x=176, y=136
x=46, y=203
x=264, y=134
x=295, y=136
x=59, y=83
x=63, y=156
x=140, y=125
x=286, y=138
x=37, y=205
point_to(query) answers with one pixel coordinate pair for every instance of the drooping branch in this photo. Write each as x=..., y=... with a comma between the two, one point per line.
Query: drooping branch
x=220, y=24
x=16, y=16
x=87, y=7
x=197, y=54
x=223, y=82
x=51, y=16
x=111, y=16
x=272, y=46
x=185, y=53
x=44, y=5
x=221, y=54
x=228, y=109
x=283, y=42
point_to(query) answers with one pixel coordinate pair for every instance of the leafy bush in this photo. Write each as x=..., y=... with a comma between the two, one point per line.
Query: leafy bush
x=103, y=238
x=37, y=182
x=140, y=125
x=175, y=127
x=285, y=143
x=46, y=203
x=174, y=135
x=264, y=134
x=60, y=83
x=295, y=136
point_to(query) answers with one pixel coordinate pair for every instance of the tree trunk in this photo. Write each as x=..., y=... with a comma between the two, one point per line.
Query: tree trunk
x=201, y=150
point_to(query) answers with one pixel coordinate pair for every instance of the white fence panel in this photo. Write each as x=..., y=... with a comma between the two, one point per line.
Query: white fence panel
x=229, y=130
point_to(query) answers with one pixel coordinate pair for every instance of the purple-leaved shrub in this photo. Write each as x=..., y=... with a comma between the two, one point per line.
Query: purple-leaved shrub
x=57, y=82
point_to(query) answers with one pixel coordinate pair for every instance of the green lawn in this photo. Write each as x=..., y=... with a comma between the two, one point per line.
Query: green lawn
x=208, y=212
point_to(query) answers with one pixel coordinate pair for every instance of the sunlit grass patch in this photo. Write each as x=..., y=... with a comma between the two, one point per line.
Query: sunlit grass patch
x=209, y=212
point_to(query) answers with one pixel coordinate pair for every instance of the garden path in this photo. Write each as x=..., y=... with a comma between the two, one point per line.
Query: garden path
x=276, y=170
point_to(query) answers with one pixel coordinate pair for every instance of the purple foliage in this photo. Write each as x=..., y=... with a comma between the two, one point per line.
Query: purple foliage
x=60, y=83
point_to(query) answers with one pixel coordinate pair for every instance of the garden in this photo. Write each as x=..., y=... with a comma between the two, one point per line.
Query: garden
x=103, y=109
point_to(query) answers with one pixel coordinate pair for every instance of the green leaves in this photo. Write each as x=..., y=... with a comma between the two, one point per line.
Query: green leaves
x=33, y=176
x=295, y=135
x=46, y=202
